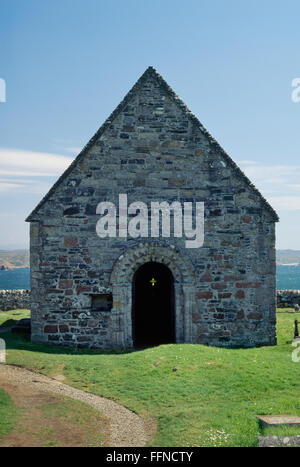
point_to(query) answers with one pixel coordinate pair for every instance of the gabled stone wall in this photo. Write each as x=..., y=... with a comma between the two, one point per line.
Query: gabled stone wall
x=152, y=149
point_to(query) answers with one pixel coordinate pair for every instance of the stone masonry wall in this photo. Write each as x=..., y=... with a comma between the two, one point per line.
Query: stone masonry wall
x=152, y=150
x=14, y=299
x=288, y=298
x=20, y=299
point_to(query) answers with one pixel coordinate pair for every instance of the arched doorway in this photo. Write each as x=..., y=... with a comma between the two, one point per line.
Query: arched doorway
x=153, y=307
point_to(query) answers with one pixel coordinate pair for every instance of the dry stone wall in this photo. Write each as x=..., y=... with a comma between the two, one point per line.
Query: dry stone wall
x=288, y=298
x=14, y=299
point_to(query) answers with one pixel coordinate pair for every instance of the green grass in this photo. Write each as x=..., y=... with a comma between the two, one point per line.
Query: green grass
x=8, y=414
x=79, y=414
x=213, y=398
x=9, y=318
x=285, y=310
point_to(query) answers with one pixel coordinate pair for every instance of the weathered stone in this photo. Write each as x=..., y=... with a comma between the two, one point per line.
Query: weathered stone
x=288, y=298
x=65, y=284
x=14, y=299
x=240, y=294
x=50, y=328
x=248, y=285
x=205, y=295
x=278, y=420
x=224, y=295
x=153, y=149
x=70, y=241
x=277, y=441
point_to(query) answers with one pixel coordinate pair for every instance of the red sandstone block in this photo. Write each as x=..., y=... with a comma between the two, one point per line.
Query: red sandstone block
x=240, y=314
x=240, y=294
x=247, y=219
x=69, y=292
x=217, y=257
x=248, y=285
x=83, y=288
x=254, y=315
x=216, y=212
x=224, y=295
x=70, y=241
x=65, y=284
x=62, y=259
x=63, y=328
x=50, y=328
x=87, y=260
x=233, y=278
x=206, y=277
x=219, y=286
x=205, y=295
x=196, y=316
x=225, y=243
x=202, y=330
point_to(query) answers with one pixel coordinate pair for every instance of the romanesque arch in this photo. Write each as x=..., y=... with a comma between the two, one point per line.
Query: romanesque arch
x=121, y=283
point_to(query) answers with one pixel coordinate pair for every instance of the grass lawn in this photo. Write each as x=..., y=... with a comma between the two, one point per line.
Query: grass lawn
x=9, y=318
x=8, y=414
x=84, y=424
x=211, y=400
x=59, y=421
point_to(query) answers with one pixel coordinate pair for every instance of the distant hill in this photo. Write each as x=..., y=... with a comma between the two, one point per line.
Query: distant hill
x=288, y=256
x=14, y=259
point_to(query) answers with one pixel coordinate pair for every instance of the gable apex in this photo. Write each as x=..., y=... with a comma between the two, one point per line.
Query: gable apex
x=151, y=73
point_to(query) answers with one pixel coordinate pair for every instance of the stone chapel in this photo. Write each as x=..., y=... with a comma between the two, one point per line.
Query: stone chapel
x=136, y=286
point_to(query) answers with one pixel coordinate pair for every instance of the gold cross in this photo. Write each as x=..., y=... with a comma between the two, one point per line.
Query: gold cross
x=153, y=282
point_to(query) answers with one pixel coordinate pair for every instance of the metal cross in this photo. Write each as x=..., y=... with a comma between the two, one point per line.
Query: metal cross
x=153, y=282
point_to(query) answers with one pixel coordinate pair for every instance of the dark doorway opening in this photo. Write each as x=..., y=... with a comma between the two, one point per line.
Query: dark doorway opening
x=153, y=307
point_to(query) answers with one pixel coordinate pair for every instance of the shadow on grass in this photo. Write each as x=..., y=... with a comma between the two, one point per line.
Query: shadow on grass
x=23, y=342
x=8, y=323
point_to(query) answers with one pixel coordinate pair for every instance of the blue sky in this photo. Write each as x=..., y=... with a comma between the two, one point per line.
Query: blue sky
x=68, y=63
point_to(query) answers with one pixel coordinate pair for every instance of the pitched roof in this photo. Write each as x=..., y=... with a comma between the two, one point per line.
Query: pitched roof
x=151, y=72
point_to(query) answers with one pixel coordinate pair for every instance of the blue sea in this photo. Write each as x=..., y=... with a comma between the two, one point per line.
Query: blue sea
x=15, y=279
x=288, y=277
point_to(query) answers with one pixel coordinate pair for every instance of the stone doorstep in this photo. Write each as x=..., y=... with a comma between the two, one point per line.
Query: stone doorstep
x=274, y=441
x=277, y=420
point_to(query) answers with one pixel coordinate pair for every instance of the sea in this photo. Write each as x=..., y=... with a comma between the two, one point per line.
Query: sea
x=288, y=277
x=15, y=279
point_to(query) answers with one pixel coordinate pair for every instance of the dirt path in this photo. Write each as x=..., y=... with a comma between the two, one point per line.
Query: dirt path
x=126, y=428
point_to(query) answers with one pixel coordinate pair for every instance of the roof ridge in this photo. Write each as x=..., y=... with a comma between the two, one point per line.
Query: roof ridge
x=91, y=141
x=212, y=140
x=152, y=71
